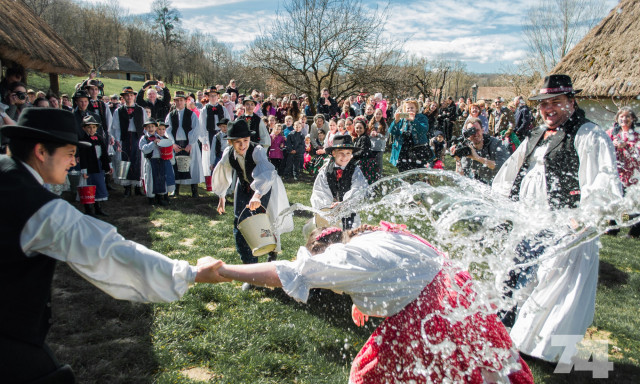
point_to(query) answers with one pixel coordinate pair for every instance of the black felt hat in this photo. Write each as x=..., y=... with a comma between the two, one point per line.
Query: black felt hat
x=342, y=142
x=238, y=129
x=213, y=89
x=249, y=98
x=555, y=85
x=223, y=121
x=90, y=120
x=46, y=125
x=149, y=121
x=81, y=93
x=127, y=90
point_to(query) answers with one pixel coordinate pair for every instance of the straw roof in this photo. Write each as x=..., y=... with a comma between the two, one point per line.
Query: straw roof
x=28, y=40
x=121, y=64
x=605, y=62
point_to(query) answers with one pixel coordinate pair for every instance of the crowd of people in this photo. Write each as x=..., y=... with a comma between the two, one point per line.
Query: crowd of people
x=246, y=144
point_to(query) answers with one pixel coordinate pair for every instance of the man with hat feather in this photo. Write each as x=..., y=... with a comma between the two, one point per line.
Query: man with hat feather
x=127, y=129
x=183, y=128
x=37, y=228
x=566, y=163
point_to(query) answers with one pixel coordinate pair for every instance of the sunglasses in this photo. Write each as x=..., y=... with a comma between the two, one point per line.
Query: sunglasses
x=20, y=95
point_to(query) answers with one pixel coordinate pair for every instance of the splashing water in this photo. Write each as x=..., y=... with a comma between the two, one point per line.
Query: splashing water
x=488, y=235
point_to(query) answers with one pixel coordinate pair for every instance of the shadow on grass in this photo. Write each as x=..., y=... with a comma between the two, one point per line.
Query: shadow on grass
x=610, y=276
x=622, y=373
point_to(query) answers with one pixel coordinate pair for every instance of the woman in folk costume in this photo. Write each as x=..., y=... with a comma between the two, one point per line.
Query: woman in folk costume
x=435, y=329
x=126, y=130
x=258, y=184
x=184, y=130
x=158, y=176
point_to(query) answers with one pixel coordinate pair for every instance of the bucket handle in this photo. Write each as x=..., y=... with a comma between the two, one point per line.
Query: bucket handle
x=252, y=211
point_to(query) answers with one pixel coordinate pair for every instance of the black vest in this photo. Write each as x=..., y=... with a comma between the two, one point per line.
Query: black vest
x=340, y=187
x=186, y=122
x=254, y=125
x=211, y=119
x=138, y=119
x=25, y=282
x=249, y=166
x=218, y=147
x=561, y=163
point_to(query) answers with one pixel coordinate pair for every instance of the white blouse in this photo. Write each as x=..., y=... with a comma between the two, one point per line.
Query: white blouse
x=381, y=271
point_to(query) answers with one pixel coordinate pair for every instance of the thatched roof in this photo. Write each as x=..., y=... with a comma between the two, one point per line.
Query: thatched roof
x=605, y=62
x=28, y=40
x=121, y=64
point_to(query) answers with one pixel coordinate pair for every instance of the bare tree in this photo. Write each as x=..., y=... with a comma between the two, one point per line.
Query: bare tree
x=553, y=27
x=38, y=6
x=314, y=44
x=166, y=21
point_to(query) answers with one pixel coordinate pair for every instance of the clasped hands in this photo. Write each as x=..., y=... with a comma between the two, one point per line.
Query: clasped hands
x=209, y=271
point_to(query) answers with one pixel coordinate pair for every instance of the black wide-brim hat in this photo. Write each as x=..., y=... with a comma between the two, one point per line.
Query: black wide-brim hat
x=127, y=90
x=249, y=99
x=342, y=142
x=45, y=125
x=213, y=90
x=81, y=93
x=223, y=121
x=238, y=129
x=555, y=85
x=150, y=121
x=90, y=120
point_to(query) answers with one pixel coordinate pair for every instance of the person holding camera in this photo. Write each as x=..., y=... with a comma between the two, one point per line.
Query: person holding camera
x=479, y=156
x=327, y=105
x=159, y=106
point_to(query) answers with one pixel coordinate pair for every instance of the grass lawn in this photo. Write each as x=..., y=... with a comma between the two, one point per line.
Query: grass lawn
x=40, y=82
x=222, y=334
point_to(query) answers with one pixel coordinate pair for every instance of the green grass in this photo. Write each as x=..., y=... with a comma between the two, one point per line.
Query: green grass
x=222, y=334
x=40, y=82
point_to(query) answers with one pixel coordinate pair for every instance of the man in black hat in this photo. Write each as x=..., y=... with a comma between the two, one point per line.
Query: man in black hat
x=567, y=162
x=260, y=134
x=37, y=228
x=159, y=106
x=210, y=116
x=81, y=100
x=126, y=130
x=258, y=185
x=96, y=105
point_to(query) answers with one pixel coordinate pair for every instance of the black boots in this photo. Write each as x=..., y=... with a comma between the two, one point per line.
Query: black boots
x=138, y=191
x=89, y=210
x=177, y=190
x=151, y=200
x=194, y=190
x=127, y=191
x=162, y=200
x=98, y=208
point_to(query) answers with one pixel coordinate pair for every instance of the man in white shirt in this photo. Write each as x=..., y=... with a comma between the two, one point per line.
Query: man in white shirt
x=37, y=228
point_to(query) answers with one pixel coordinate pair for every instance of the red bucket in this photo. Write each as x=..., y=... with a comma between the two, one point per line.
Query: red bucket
x=207, y=181
x=87, y=194
x=166, y=149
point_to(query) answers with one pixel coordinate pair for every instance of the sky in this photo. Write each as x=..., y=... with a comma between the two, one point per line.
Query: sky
x=486, y=35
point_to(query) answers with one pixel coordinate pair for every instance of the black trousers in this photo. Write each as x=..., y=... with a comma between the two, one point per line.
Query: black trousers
x=22, y=362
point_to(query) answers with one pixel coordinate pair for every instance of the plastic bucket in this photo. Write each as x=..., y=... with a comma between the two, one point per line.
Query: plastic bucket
x=207, y=182
x=87, y=194
x=166, y=149
x=258, y=233
x=121, y=168
x=183, y=163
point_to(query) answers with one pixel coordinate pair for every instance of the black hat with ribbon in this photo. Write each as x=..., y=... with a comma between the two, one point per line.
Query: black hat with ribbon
x=127, y=90
x=555, y=85
x=342, y=142
x=238, y=129
x=149, y=121
x=81, y=93
x=90, y=120
x=45, y=125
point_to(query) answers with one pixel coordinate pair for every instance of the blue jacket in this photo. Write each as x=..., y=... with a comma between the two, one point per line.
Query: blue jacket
x=419, y=129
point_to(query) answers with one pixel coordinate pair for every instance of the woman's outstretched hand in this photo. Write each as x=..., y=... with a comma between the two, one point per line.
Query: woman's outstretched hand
x=358, y=317
x=208, y=271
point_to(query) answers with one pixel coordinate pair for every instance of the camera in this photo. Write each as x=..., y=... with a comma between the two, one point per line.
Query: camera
x=462, y=143
x=21, y=95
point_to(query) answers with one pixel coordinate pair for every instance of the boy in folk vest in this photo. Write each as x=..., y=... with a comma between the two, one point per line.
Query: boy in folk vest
x=340, y=179
x=184, y=129
x=158, y=176
x=258, y=185
x=94, y=163
x=260, y=133
x=219, y=143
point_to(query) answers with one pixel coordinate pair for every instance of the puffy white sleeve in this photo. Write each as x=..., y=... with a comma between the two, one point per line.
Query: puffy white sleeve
x=114, y=131
x=109, y=117
x=146, y=147
x=222, y=174
x=381, y=271
x=321, y=195
x=503, y=182
x=196, y=133
x=97, y=252
x=598, y=173
x=202, y=120
x=265, y=138
x=358, y=184
x=264, y=174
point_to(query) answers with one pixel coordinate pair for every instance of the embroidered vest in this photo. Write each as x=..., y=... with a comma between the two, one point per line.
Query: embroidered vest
x=340, y=187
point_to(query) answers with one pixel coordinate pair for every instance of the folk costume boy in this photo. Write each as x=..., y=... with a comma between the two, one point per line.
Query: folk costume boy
x=258, y=184
x=339, y=179
x=94, y=163
x=158, y=176
x=184, y=129
x=127, y=129
x=210, y=115
x=219, y=143
x=260, y=133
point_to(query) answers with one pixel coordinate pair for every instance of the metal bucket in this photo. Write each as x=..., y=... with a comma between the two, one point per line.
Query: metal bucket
x=258, y=233
x=121, y=168
x=183, y=163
